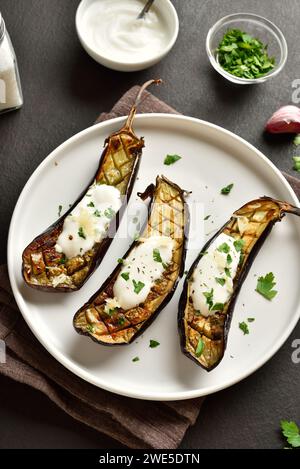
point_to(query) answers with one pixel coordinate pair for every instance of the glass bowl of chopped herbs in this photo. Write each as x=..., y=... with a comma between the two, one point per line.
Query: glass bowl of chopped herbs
x=246, y=48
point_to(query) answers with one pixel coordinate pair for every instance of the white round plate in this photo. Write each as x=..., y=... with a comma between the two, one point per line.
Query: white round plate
x=211, y=159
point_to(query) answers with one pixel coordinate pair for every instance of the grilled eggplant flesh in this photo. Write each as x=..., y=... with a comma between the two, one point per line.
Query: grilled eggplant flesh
x=167, y=217
x=204, y=330
x=47, y=267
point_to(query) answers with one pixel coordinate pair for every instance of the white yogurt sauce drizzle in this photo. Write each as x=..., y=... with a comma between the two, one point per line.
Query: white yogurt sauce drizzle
x=113, y=29
x=144, y=265
x=214, y=265
x=89, y=221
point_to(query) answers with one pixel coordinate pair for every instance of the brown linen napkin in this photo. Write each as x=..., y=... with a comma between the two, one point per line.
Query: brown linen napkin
x=132, y=422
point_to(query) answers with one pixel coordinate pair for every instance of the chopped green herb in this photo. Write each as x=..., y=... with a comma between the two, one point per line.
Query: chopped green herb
x=239, y=244
x=297, y=140
x=207, y=217
x=229, y=259
x=265, y=286
x=136, y=359
x=97, y=213
x=224, y=248
x=228, y=272
x=244, y=56
x=291, y=431
x=200, y=347
x=296, y=166
x=251, y=319
x=171, y=159
x=90, y=328
x=226, y=190
x=153, y=343
x=242, y=257
x=91, y=204
x=220, y=281
x=244, y=327
x=120, y=261
x=125, y=276
x=81, y=233
x=121, y=321
x=209, y=297
x=156, y=255
x=218, y=307
x=60, y=207
x=62, y=260
x=138, y=286
x=112, y=311
x=109, y=213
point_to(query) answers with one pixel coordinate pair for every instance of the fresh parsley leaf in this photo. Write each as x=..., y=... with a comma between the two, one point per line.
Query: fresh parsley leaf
x=153, y=343
x=81, y=233
x=226, y=190
x=97, y=213
x=220, y=281
x=171, y=159
x=90, y=328
x=60, y=207
x=120, y=261
x=207, y=217
x=296, y=166
x=135, y=359
x=229, y=259
x=244, y=327
x=251, y=319
x=200, y=347
x=224, y=248
x=265, y=286
x=239, y=244
x=218, y=307
x=91, y=204
x=156, y=255
x=228, y=272
x=62, y=260
x=291, y=431
x=125, y=276
x=109, y=213
x=138, y=286
x=209, y=297
x=297, y=140
x=121, y=321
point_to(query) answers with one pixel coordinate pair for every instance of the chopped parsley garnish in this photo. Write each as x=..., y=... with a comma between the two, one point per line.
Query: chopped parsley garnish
x=171, y=159
x=62, y=260
x=243, y=55
x=265, y=286
x=220, y=281
x=227, y=272
x=90, y=328
x=244, y=327
x=109, y=213
x=81, y=233
x=296, y=160
x=207, y=217
x=156, y=255
x=238, y=244
x=125, y=276
x=60, y=207
x=224, y=248
x=112, y=311
x=97, y=213
x=291, y=432
x=297, y=140
x=200, y=347
x=153, y=343
x=121, y=321
x=218, y=307
x=120, y=261
x=135, y=359
x=229, y=259
x=209, y=297
x=91, y=204
x=226, y=190
x=251, y=319
x=138, y=286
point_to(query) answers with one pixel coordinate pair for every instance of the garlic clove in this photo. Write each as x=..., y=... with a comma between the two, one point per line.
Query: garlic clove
x=285, y=120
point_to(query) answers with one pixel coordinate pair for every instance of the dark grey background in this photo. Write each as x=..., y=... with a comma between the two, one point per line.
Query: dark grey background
x=64, y=91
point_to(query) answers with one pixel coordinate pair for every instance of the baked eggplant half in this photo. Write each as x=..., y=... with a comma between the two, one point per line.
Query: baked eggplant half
x=214, y=280
x=66, y=254
x=146, y=278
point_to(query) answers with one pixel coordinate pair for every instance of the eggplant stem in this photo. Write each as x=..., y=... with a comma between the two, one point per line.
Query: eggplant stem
x=132, y=113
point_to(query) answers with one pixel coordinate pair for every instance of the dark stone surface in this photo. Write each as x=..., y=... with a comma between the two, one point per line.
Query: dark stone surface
x=64, y=92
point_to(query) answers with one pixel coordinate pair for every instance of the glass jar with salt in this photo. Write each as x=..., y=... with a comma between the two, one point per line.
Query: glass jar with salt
x=10, y=86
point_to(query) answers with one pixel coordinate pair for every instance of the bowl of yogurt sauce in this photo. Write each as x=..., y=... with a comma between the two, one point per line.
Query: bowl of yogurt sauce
x=111, y=34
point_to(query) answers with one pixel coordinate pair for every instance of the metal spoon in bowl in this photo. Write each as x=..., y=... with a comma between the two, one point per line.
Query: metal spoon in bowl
x=145, y=9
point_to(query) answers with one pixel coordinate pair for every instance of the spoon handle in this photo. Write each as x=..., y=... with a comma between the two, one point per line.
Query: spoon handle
x=145, y=9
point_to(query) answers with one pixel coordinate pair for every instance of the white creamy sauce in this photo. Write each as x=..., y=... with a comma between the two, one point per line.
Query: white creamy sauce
x=140, y=271
x=89, y=221
x=212, y=265
x=113, y=29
